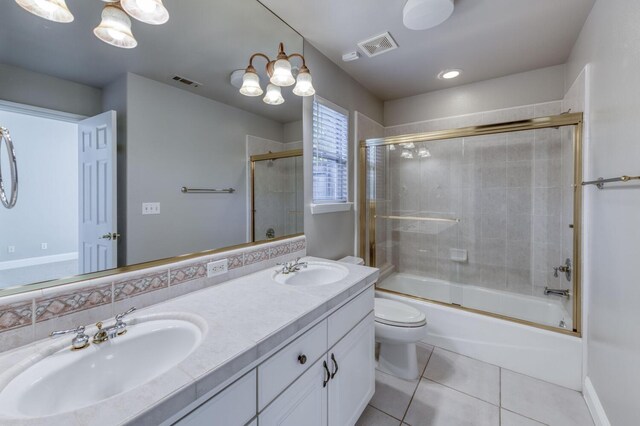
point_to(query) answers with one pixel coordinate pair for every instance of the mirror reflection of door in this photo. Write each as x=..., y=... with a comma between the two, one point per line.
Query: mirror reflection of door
x=66, y=164
x=277, y=196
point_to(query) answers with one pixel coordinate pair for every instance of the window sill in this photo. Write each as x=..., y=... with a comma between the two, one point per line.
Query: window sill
x=330, y=208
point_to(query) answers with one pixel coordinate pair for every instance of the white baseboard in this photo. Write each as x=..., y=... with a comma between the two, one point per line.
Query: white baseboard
x=41, y=260
x=593, y=402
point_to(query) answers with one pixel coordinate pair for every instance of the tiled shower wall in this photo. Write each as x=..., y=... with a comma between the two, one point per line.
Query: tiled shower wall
x=511, y=193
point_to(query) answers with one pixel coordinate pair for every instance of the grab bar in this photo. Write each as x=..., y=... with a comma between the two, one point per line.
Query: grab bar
x=9, y=202
x=428, y=219
x=186, y=190
x=600, y=181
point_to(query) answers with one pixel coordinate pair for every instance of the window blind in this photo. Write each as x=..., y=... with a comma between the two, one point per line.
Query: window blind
x=330, y=152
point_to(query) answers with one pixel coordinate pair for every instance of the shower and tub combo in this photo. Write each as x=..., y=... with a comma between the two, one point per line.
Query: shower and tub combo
x=480, y=228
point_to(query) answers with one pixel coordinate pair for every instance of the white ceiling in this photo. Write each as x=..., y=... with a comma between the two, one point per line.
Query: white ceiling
x=203, y=41
x=484, y=38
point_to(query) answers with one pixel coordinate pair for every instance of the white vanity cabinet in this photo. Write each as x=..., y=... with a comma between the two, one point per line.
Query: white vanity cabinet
x=325, y=377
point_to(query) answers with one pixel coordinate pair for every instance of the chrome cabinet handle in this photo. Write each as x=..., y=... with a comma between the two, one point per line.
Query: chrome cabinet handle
x=302, y=359
x=9, y=202
x=335, y=364
x=327, y=374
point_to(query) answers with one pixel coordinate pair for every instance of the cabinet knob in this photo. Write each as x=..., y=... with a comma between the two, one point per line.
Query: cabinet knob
x=302, y=359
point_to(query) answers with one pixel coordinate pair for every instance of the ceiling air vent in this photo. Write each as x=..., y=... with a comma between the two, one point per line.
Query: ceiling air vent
x=186, y=81
x=378, y=45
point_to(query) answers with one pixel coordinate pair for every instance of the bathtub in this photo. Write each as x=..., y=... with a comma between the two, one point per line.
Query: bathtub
x=548, y=310
x=542, y=354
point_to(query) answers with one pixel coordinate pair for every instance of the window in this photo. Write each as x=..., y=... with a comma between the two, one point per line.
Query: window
x=330, y=156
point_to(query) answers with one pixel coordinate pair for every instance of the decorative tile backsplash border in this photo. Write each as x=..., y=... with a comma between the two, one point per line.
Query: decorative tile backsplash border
x=23, y=315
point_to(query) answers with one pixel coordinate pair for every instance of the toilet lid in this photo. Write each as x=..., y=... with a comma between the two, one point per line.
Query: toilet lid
x=399, y=314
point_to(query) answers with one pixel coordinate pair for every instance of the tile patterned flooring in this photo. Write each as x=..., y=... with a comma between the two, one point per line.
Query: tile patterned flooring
x=456, y=390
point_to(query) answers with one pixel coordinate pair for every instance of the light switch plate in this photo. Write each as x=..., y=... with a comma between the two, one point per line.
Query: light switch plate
x=44, y=246
x=218, y=267
x=150, y=208
x=11, y=249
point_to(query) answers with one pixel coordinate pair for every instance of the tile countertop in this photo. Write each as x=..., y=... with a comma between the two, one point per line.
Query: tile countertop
x=246, y=319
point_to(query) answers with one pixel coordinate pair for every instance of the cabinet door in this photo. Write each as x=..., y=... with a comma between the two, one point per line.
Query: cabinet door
x=303, y=403
x=352, y=365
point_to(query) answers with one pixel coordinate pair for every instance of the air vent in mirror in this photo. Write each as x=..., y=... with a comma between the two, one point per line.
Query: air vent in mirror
x=187, y=81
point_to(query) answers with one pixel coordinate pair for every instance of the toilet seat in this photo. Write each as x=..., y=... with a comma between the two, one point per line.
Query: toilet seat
x=397, y=314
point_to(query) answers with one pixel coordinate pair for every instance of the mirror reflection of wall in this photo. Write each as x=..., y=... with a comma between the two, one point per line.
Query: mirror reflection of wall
x=83, y=210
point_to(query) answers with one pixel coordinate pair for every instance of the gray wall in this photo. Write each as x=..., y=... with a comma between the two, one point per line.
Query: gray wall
x=331, y=235
x=41, y=90
x=537, y=86
x=610, y=44
x=47, y=207
x=174, y=139
x=292, y=131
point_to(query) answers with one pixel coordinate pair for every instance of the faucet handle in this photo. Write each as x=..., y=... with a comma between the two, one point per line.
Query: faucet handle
x=119, y=317
x=80, y=341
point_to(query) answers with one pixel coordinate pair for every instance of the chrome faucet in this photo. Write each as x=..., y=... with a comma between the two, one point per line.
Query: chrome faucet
x=80, y=341
x=111, y=332
x=564, y=293
x=293, y=266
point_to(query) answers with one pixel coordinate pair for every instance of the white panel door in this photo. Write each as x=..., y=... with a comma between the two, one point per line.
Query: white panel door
x=303, y=403
x=352, y=365
x=97, y=174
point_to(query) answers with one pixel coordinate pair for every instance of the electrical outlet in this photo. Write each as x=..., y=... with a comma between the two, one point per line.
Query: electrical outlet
x=218, y=267
x=11, y=249
x=44, y=246
x=150, y=208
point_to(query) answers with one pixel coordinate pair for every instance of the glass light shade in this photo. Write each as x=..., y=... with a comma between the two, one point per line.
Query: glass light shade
x=115, y=28
x=392, y=147
x=148, y=11
x=424, y=152
x=282, y=73
x=406, y=154
x=251, y=84
x=303, y=85
x=52, y=10
x=273, y=96
x=409, y=145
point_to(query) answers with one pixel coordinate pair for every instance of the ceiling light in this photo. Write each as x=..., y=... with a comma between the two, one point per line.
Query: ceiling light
x=408, y=145
x=115, y=28
x=392, y=147
x=148, y=11
x=449, y=74
x=52, y=10
x=406, y=153
x=304, y=86
x=274, y=95
x=280, y=75
x=425, y=14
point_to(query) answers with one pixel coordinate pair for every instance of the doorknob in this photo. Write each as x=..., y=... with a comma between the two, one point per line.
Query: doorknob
x=110, y=236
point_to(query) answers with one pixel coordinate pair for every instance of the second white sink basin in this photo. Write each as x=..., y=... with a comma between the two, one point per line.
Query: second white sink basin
x=316, y=273
x=68, y=380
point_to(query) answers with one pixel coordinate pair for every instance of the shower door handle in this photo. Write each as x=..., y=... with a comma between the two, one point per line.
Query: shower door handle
x=10, y=201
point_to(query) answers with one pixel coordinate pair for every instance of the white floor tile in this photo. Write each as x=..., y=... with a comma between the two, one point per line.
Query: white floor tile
x=438, y=405
x=392, y=394
x=475, y=378
x=374, y=417
x=542, y=401
x=507, y=418
x=424, y=354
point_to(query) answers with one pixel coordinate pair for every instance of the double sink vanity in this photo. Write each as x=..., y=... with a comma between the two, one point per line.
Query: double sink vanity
x=286, y=345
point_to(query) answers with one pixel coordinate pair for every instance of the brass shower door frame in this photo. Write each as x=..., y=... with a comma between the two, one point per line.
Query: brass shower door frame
x=264, y=157
x=367, y=210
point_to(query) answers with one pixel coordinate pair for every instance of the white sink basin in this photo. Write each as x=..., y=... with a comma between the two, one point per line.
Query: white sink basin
x=316, y=273
x=67, y=380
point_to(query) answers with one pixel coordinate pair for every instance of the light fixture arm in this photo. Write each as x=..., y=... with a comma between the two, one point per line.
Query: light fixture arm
x=268, y=66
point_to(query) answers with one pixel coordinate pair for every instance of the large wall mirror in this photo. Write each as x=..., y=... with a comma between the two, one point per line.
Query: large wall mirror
x=128, y=156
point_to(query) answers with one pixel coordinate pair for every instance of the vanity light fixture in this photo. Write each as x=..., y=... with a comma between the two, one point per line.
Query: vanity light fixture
x=280, y=75
x=115, y=27
x=449, y=74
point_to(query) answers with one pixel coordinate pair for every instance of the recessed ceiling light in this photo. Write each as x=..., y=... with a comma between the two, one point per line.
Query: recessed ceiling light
x=449, y=74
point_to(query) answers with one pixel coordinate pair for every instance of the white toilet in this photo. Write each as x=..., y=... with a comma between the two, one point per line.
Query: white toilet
x=398, y=328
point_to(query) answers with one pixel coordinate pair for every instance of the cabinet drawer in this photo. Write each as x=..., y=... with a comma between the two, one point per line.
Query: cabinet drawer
x=345, y=318
x=279, y=371
x=235, y=405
